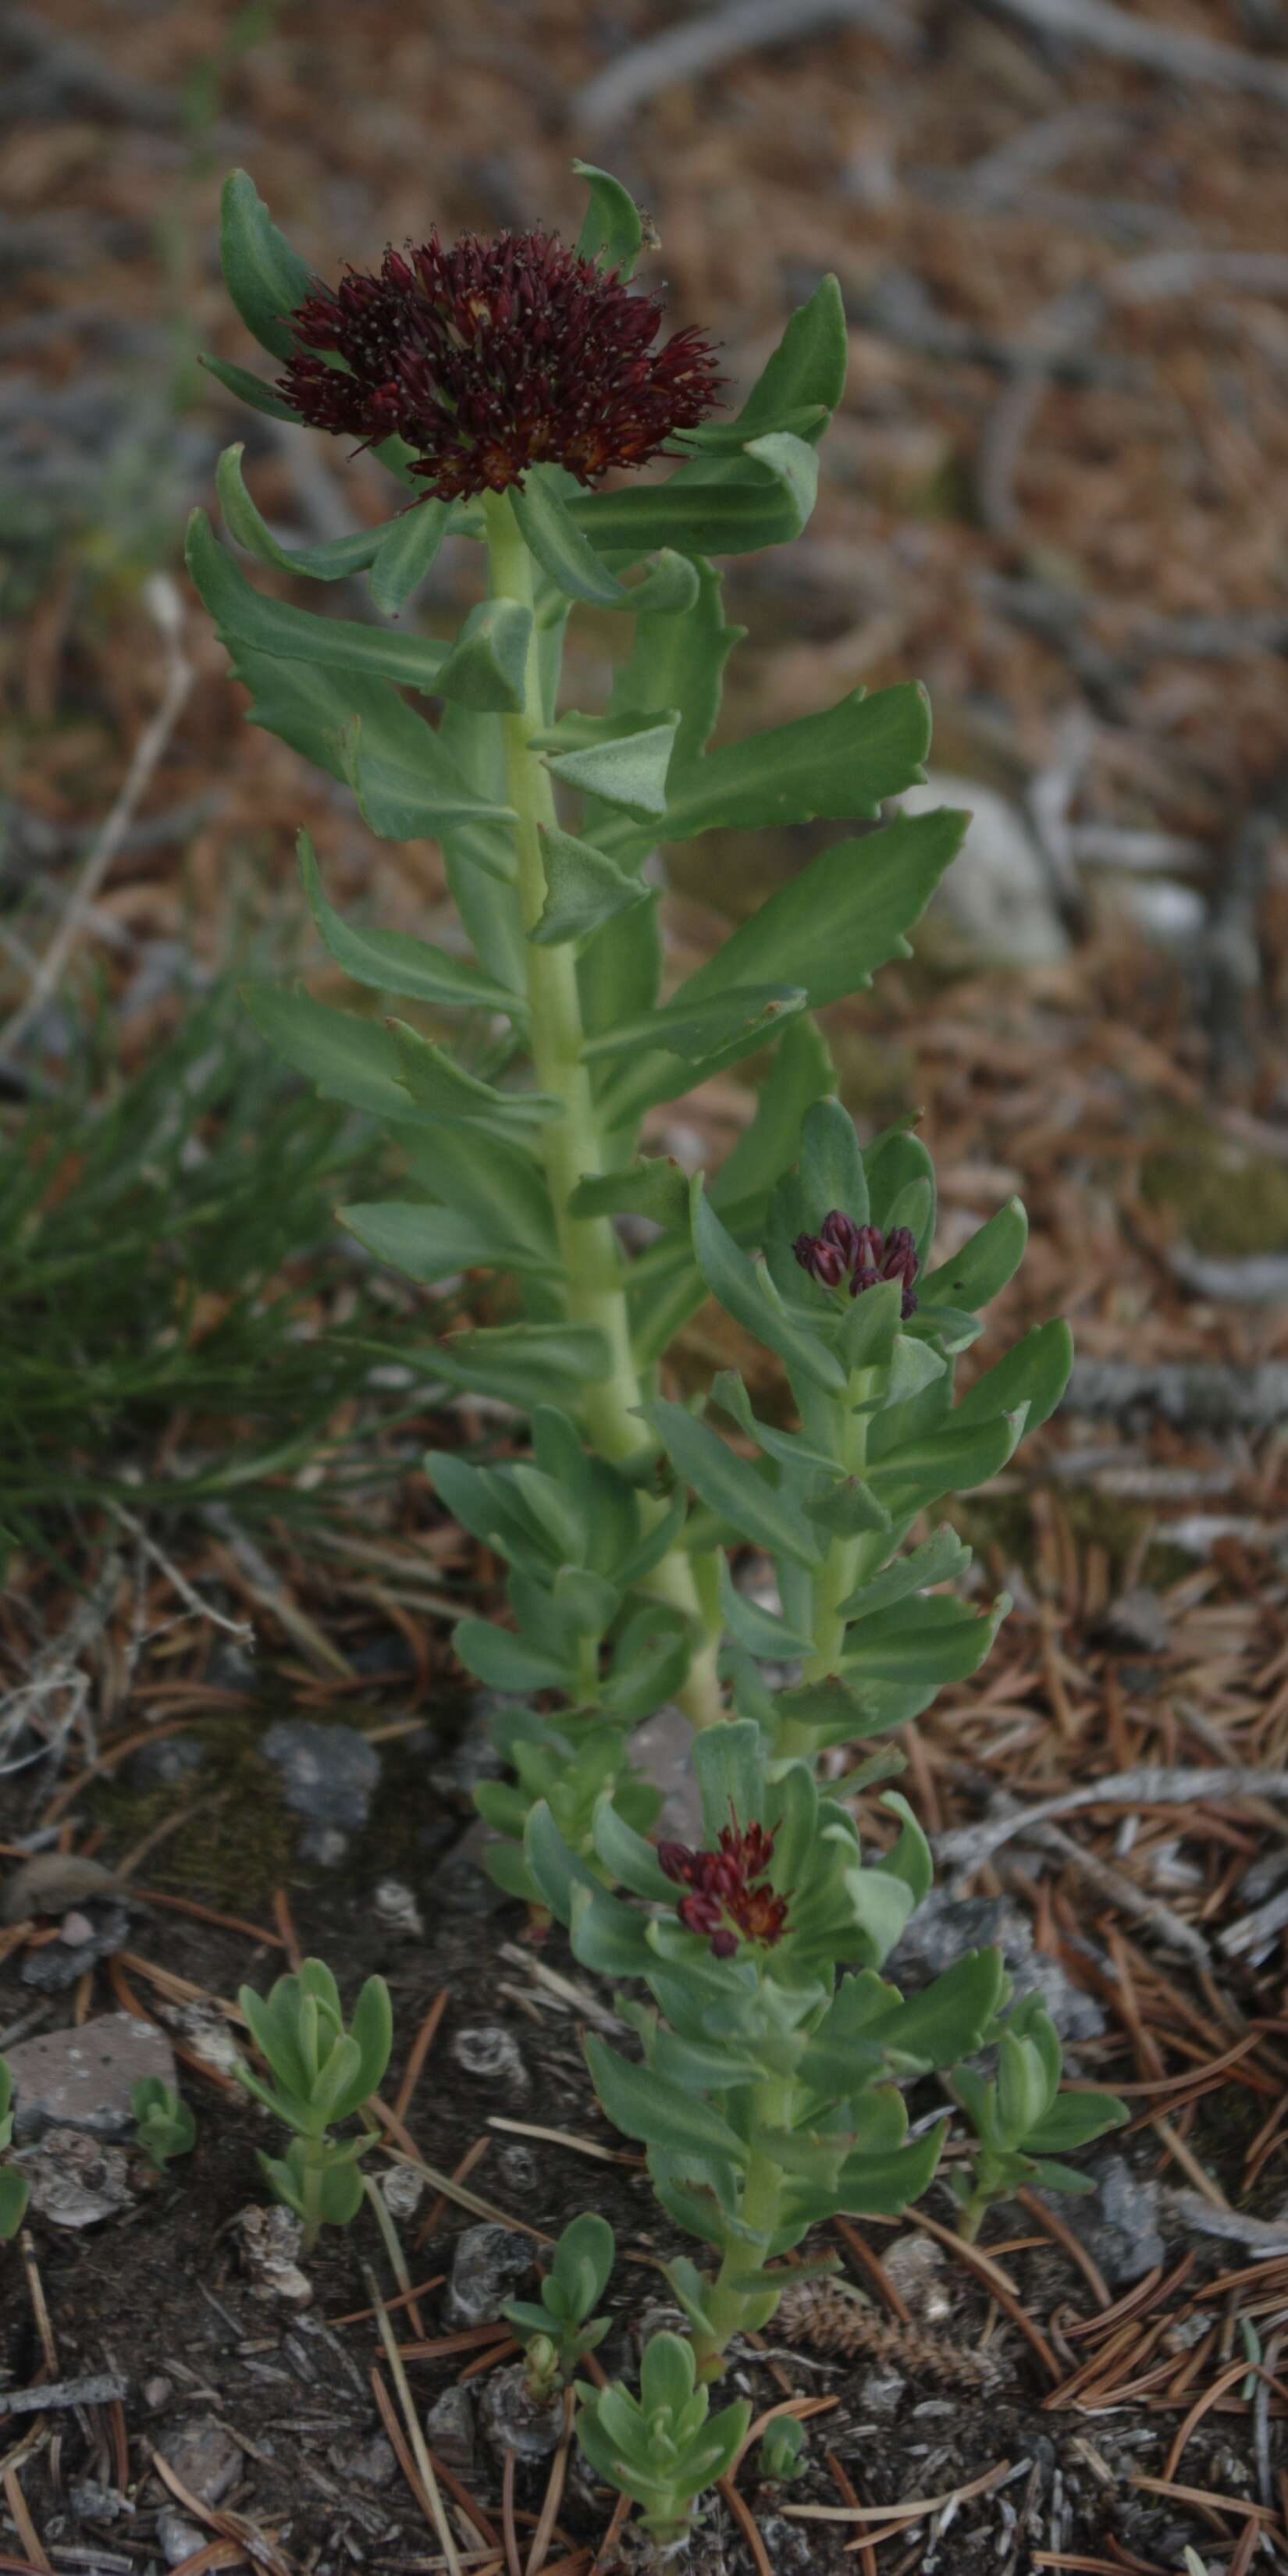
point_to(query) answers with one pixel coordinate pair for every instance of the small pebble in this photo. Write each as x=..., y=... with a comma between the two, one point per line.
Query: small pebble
x=490, y=2053
x=449, y=2429
x=489, y=2264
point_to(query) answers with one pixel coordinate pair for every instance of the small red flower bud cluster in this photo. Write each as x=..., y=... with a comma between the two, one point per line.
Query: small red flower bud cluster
x=493, y=356
x=724, y=1902
x=862, y=1253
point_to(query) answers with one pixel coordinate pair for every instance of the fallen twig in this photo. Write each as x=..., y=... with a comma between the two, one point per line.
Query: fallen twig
x=1171, y=50
x=693, y=46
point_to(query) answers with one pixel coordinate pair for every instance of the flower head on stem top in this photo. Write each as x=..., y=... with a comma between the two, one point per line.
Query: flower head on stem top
x=724, y=1900
x=489, y=357
x=862, y=1253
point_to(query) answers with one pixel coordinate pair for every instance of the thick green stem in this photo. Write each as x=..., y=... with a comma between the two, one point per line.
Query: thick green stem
x=596, y=1287
x=841, y=1570
x=733, y=2311
x=311, y=2193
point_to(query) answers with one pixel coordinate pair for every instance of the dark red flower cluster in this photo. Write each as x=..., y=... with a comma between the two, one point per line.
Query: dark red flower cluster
x=724, y=1901
x=862, y=1253
x=493, y=356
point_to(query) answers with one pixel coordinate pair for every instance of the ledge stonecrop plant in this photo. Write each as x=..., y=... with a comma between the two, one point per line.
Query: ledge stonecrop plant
x=321, y=2073
x=1023, y=2123
x=164, y=2125
x=499, y=382
x=558, y=2333
x=768, y=2099
x=522, y=1061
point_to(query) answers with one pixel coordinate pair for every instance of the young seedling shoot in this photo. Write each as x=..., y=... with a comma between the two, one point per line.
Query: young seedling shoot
x=1023, y=2123
x=557, y=2334
x=320, y=2074
x=499, y=382
x=783, y=2455
x=663, y=2448
x=14, y=2189
x=164, y=2125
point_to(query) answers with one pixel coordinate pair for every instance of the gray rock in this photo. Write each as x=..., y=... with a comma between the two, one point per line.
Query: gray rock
x=91, y=2501
x=449, y=2430
x=395, y=1907
x=488, y=2265
x=82, y=2079
x=205, y=2457
x=917, y=2267
x=51, y=1883
x=372, y=2463
x=1119, y=2227
x=474, y=1757
x=520, y=2171
x=329, y=1776
x=512, y=2421
x=662, y=1752
x=787, y=2547
x=999, y=893
x=944, y=1926
x=492, y=2054
x=160, y=1766
x=268, y=2241
x=75, y=2180
x=94, y=1931
x=460, y=1883
x=177, y=2538
x=402, y=2190
x=879, y=2393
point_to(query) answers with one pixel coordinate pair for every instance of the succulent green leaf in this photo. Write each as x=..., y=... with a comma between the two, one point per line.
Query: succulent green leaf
x=949, y=2016
x=761, y=1631
x=985, y=1263
x=659, y=2115
x=251, y=389
x=522, y=1364
x=392, y=961
x=444, y=1089
x=843, y=761
x=849, y=1509
x=504, y=1190
x=1034, y=1374
x=266, y=279
x=245, y=616
x=431, y=1243
x=882, y=2186
x=656, y=1187
x=940, y=1559
x=632, y=1861
x=333, y=560
x=611, y=231
x=730, y=1486
x=714, y=506
x=15, y=2192
x=406, y=553
x=1074, y=2120
x=583, y=890
x=842, y=917
x=807, y=368
x=486, y=667
x=678, y=660
x=741, y=1018
x=570, y=561
x=737, y=1284
x=623, y=763
x=730, y=1771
